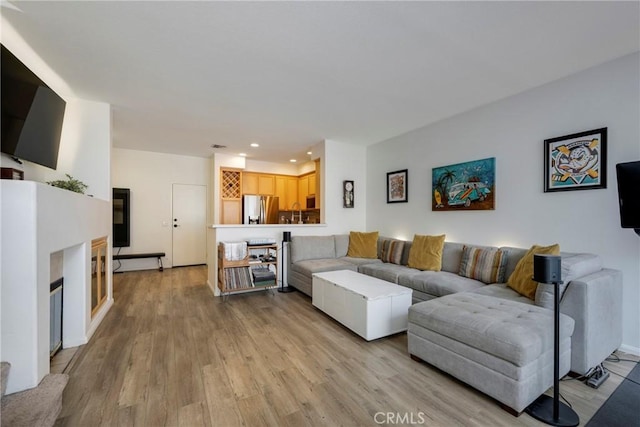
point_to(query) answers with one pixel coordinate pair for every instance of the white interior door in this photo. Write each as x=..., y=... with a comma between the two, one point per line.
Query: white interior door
x=189, y=224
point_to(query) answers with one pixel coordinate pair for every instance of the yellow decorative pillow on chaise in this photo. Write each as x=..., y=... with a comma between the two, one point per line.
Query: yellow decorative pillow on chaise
x=521, y=279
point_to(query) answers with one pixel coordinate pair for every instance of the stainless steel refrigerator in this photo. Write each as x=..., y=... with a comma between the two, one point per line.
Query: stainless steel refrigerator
x=260, y=209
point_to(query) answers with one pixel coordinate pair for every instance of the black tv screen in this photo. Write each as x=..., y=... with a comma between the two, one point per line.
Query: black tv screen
x=32, y=114
x=629, y=193
x=121, y=218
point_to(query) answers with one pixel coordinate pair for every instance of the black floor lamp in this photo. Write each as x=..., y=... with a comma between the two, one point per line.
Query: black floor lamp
x=548, y=269
x=286, y=238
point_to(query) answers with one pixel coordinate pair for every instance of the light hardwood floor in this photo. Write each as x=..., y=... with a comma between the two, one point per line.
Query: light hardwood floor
x=169, y=353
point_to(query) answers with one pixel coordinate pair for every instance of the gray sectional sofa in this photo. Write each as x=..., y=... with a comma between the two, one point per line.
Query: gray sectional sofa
x=591, y=321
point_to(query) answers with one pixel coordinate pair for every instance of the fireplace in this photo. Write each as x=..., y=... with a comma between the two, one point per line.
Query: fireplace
x=55, y=316
x=39, y=221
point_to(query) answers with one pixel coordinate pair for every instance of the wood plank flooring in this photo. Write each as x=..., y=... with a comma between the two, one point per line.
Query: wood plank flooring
x=170, y=354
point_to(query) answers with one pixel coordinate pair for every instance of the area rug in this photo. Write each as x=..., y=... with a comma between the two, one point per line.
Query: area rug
x=621, y=408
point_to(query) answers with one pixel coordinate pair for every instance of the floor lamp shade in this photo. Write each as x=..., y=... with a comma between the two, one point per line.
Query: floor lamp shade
x=547, y=268
x=286, y=236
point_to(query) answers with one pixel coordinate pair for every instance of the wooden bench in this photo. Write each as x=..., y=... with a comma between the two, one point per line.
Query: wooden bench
x=158, y=255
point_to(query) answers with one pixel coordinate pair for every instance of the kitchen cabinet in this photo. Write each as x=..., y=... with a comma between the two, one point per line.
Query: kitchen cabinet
x=287, y=191
x=292, y=191
x=313, y=189
x=312, y=184
x=230, y=196
x=231, y=211
x=317, y=191
x=266, y=184
x=258, y=183
x=281, y=191
x=303, y=190
x=308, y=186
x=249, y=183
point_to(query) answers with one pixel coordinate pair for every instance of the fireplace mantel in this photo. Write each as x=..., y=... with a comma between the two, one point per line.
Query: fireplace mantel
x=37, y=220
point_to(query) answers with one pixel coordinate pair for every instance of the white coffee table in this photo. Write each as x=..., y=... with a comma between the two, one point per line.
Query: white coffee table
x=370, y=307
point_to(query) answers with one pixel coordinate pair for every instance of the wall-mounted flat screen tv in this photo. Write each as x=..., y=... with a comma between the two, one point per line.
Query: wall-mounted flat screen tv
x=32, y=114
x=629, y=194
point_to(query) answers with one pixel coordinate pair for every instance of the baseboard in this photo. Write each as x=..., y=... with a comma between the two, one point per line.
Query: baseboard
x=74, y=343
x=123, y=269
x=95, y=322
x=629, y=349
x=214, y=289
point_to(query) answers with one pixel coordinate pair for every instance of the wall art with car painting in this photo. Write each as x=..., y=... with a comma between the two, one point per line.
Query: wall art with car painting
x=464, y=186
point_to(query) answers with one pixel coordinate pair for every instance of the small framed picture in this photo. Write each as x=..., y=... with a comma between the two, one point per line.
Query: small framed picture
x=576, y=162
x=347, y=194
x=398, y=186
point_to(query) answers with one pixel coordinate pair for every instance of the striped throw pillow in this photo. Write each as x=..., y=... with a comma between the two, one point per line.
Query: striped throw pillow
x=484, y=264
x=392, y=251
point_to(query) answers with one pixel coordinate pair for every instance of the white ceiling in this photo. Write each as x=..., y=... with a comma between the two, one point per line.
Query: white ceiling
x=184, y=75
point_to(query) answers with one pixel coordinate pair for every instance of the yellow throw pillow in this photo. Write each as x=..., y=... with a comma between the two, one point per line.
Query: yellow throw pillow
x=363, y=245
x=521, y=279
x=426, y=252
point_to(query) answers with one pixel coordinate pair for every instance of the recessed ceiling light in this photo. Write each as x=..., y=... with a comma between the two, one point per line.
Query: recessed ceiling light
x=255, y=144
x=242, y=154
x=309, y=153
x=293, y=160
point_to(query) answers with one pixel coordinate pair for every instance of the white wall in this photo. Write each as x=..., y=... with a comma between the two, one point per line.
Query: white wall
x=56, y=266
x=344, y=162
x=85, y=149
x=150, y=177
x=85, y=142
x=512, y=131
x=270, y=167
x=85, y=146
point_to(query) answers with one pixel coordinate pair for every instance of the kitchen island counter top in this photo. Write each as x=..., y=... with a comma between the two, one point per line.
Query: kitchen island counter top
x=254, y=226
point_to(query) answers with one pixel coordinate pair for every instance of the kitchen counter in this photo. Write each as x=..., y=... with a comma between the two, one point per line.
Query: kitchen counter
x=259, y=226
x=310, y=216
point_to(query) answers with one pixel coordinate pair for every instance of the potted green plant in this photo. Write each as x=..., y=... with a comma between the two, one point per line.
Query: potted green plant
x=70, y=184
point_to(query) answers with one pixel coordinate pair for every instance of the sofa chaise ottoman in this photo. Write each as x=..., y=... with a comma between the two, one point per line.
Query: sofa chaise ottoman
x=593, y=295
x=503, y=348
